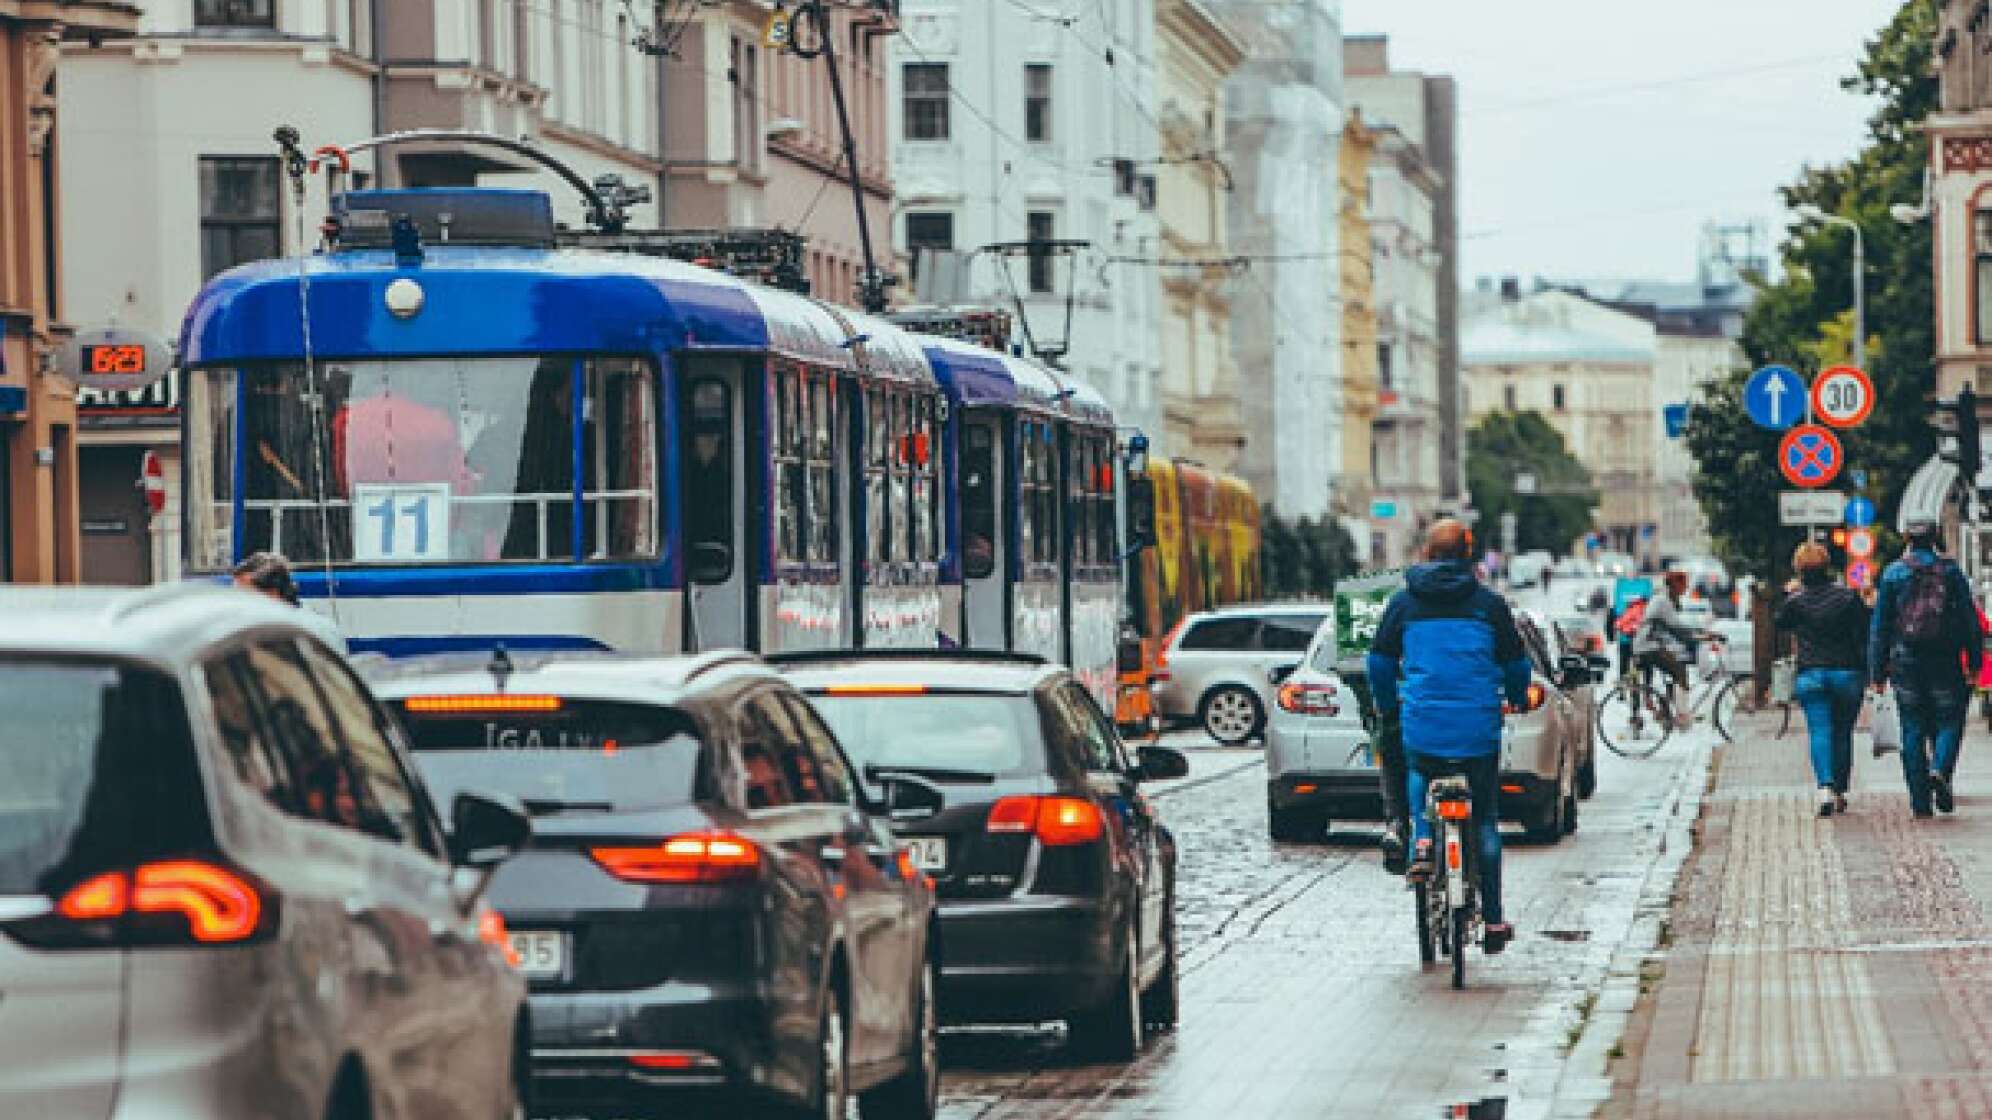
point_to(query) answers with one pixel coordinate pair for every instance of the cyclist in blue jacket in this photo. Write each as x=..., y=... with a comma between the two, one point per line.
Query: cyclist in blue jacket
x=1445, y=656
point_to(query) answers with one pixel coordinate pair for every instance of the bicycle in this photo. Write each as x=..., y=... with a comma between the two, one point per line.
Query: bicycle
x=1448, y=902
x=1636, y=718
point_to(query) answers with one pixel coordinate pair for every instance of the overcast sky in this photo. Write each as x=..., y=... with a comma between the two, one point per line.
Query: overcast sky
x=1597, y=136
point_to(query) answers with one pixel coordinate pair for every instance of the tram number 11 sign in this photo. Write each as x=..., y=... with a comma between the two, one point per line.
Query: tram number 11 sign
x=401, y=523
x=1842, y=396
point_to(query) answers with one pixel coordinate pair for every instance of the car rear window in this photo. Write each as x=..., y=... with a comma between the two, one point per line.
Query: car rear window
x=965, y=736
x=1289, y=633
x=578, y=755
x=1220, y=634
x=97, y=768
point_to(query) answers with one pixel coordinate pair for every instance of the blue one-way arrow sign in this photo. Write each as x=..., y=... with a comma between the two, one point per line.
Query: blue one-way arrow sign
x=1775, y=397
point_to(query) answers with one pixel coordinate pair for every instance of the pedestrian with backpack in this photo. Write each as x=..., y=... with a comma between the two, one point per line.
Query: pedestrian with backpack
x=1923, y=640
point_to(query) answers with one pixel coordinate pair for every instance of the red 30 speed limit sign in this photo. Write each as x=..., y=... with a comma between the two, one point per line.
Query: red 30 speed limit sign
x=1842, y=396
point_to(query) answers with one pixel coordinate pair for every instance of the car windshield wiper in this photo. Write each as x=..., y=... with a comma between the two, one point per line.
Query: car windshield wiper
x=874, y=773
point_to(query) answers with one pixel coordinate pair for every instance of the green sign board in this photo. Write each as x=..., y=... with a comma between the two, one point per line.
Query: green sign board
x=1359, y=604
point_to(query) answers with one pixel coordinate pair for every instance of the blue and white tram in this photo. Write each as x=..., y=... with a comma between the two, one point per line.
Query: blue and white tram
x=483, y=440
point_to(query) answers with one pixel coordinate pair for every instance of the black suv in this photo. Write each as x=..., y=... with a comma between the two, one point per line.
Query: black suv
x=1011, y=788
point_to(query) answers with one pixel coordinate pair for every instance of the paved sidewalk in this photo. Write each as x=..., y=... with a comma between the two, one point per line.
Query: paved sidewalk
x=1822, y=968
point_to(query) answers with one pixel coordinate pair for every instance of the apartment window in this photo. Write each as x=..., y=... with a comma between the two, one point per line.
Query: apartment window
x=235, y=13
x=1508, y=398
x=1037, y=102
x=1982, y=250
x=1383, y=374
x=928, y=231
x=1556, y=399
x=241, y=211
x=926, y=100
x=1041, y=230
x=746, y=106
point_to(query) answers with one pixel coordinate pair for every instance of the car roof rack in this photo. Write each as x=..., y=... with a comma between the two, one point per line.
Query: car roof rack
x=826, y=656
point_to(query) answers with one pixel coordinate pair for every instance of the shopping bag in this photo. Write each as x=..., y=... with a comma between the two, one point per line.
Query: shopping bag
x=1884, y=721
x=1784, y=680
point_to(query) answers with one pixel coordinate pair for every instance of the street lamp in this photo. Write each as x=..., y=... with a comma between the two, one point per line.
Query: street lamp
x=1807, y=212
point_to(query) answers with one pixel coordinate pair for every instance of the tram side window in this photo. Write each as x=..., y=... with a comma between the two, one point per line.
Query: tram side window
x=926, y=492
x=819, y=449
x=1044, y=495
x=902, y=482
x=788, y=444
x=211, y=438
x=621, y=487
x=878, y=453
x=1103, y=507
x=1027, y=514
x=978, y=501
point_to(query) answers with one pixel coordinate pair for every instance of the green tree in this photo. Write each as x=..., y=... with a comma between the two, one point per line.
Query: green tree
x=1303, y=557
x=1804, y=320
x=1505, y=446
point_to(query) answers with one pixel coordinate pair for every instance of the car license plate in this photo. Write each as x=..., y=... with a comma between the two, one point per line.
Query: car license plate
x=929, y=853
x=542, y=954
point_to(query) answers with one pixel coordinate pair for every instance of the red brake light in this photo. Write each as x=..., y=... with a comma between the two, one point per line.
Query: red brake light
x=1169, y=643
x=1307, y=699
x=220, y=906
x=1455, y=810
x=491, y=931
x=1055, y=821
x=695, y=857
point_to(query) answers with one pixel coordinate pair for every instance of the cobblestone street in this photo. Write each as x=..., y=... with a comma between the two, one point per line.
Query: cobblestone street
x=1302, y=992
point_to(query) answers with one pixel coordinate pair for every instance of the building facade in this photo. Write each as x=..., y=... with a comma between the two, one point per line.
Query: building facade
x=1200, y=390
x=40, y=533
x=1589, y=370
x=1284, y=111
x=752, y=137
x=1418, y=438
x=1007, y=129
x=181, y=116
x=1359, y=334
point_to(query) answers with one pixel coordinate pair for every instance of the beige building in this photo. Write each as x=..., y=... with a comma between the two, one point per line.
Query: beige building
x=1201, y=416
x=1589, y=370
x=752, y=138
x=1359, y=332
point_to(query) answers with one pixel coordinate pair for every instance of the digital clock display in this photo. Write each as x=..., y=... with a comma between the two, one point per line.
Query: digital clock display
x=114, y=359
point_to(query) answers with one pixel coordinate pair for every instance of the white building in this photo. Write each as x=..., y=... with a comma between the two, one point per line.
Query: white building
x=170, y=174
x=1009, y=127
x=1284, y=104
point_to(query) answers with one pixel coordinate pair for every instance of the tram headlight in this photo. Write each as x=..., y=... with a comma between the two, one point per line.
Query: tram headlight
x=404, y=298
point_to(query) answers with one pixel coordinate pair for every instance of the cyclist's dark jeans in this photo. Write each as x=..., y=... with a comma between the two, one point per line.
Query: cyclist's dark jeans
x=1483, y=777
x=1666, y=662
x=1390, y=773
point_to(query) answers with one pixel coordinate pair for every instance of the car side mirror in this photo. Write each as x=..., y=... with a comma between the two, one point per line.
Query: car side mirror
x=1278, y=674
x=1161, y=764
x=1140, y=512
x=486, y=829
x=906, y=797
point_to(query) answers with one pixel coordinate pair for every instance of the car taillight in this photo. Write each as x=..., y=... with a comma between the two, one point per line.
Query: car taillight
x=1162, y=651
x=1455, y=810
x=1307, y=699
x=164, y=902
x=1055, y=821
x=1537, y=696
x=695, y=857
x=491, y=931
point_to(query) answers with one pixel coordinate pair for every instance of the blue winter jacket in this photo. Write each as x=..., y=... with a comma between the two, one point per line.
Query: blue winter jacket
x=1445, y=655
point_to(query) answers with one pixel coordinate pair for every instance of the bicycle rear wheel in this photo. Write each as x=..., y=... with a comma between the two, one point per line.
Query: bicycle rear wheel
x=1723, y=711
x=1460, y=923
x=1634, y=723
x=1428, y=941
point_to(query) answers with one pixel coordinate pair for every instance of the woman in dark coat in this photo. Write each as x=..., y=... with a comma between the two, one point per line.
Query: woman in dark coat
x=1830, y=622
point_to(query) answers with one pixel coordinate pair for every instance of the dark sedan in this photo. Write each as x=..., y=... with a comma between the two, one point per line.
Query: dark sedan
x=1011, y=788
x=709, y=907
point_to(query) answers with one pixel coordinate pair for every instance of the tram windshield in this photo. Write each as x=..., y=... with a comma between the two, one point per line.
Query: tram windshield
x=444, y=460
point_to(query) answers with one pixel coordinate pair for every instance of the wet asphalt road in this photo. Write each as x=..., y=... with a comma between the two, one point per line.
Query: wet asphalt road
x=1303, y=995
